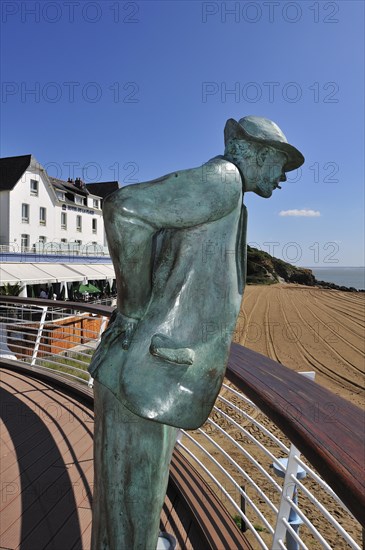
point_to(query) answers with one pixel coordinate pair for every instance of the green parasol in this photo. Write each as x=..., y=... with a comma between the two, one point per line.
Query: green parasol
x=91, y=289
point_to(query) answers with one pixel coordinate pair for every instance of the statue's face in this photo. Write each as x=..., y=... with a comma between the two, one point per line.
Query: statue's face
x=264, y=174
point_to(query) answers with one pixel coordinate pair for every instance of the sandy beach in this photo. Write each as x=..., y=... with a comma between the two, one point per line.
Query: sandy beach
x=308, y=328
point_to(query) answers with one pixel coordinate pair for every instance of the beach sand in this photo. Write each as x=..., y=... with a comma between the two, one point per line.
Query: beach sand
x=306, y=329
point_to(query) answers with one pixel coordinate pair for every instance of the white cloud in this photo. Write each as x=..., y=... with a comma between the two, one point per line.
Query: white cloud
x=304, y=212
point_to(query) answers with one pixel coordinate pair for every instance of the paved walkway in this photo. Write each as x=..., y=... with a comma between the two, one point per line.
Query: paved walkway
x=46, y=466
x=46, y=459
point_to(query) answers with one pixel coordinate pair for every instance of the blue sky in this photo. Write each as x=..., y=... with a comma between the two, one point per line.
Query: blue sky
x=134, y=90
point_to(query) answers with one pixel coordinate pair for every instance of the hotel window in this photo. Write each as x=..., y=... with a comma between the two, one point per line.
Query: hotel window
x=33, y=187
x=25, y=213
x=42, y=239
x=64, y=241
x=95, y=203
x=42, y=215
x=79, y=200
x=63, y=220
x=61, y=195
x=94, y=225
x=25, y=242
x=78, y=223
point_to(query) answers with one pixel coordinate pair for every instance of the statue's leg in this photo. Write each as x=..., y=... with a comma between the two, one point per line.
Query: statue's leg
x=131, y=462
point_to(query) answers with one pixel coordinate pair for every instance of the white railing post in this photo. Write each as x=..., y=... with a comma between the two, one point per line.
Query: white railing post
x=39, y=335
x=102, y=327
x=101, y=330
x=292, y=469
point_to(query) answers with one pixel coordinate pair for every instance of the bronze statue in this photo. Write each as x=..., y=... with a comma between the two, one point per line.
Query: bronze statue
x=178, y=246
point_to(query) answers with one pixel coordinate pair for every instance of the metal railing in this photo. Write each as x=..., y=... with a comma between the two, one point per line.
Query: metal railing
x=56, y=248
x=275, y=495
x=51, y=337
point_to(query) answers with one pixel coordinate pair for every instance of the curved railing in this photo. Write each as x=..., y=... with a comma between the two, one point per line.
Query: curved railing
x=249, y=451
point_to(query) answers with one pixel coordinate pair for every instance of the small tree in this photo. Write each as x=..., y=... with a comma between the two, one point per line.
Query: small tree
x=11, y=290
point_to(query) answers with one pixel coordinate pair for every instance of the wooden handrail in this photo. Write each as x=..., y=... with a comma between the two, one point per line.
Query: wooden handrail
x=327, y=429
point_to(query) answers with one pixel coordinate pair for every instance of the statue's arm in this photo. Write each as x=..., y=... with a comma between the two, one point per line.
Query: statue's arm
x=130, y=244
x=134, y=214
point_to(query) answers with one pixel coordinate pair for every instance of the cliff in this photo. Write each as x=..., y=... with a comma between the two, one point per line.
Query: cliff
x=262, y=268
x=265, y=269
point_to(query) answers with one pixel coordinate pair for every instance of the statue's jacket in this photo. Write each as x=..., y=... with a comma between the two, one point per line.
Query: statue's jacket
x=175, y=365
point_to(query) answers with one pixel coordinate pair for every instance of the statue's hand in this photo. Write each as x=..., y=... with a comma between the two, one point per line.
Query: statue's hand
x=120, y=328
x=129, y=328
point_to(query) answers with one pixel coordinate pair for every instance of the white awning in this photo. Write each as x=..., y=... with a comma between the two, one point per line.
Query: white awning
x=59, y=272
x=94, y=271
x=23, y=272
x=6, y=277
x=28, y=273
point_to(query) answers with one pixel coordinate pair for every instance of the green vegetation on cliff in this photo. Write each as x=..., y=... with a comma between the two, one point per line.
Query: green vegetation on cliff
x=265, y=269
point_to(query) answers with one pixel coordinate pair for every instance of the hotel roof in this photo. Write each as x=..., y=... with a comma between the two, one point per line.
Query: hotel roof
x=11, y=170
x=103, y=188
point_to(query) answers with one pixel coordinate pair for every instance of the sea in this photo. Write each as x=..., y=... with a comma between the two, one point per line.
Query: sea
x=343, y=276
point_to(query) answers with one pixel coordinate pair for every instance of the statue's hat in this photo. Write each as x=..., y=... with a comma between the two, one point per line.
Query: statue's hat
x=262, y=130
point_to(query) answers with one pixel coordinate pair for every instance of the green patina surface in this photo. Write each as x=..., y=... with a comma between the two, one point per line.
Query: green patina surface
x=178, y=246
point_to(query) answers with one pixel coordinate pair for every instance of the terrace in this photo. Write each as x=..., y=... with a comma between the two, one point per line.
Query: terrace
x=228, y=489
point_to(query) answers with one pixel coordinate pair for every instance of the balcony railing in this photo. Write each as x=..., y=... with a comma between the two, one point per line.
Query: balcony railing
x=283, y=454
x=54, y=248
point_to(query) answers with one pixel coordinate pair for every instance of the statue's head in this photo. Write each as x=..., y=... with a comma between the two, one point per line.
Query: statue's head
x=262, y=153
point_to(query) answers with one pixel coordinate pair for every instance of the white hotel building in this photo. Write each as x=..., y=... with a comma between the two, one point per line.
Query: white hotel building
x=45, y=216
x=37, y=210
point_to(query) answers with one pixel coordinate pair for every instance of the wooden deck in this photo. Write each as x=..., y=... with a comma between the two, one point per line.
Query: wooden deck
x=47, y=476
x=46, y=466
